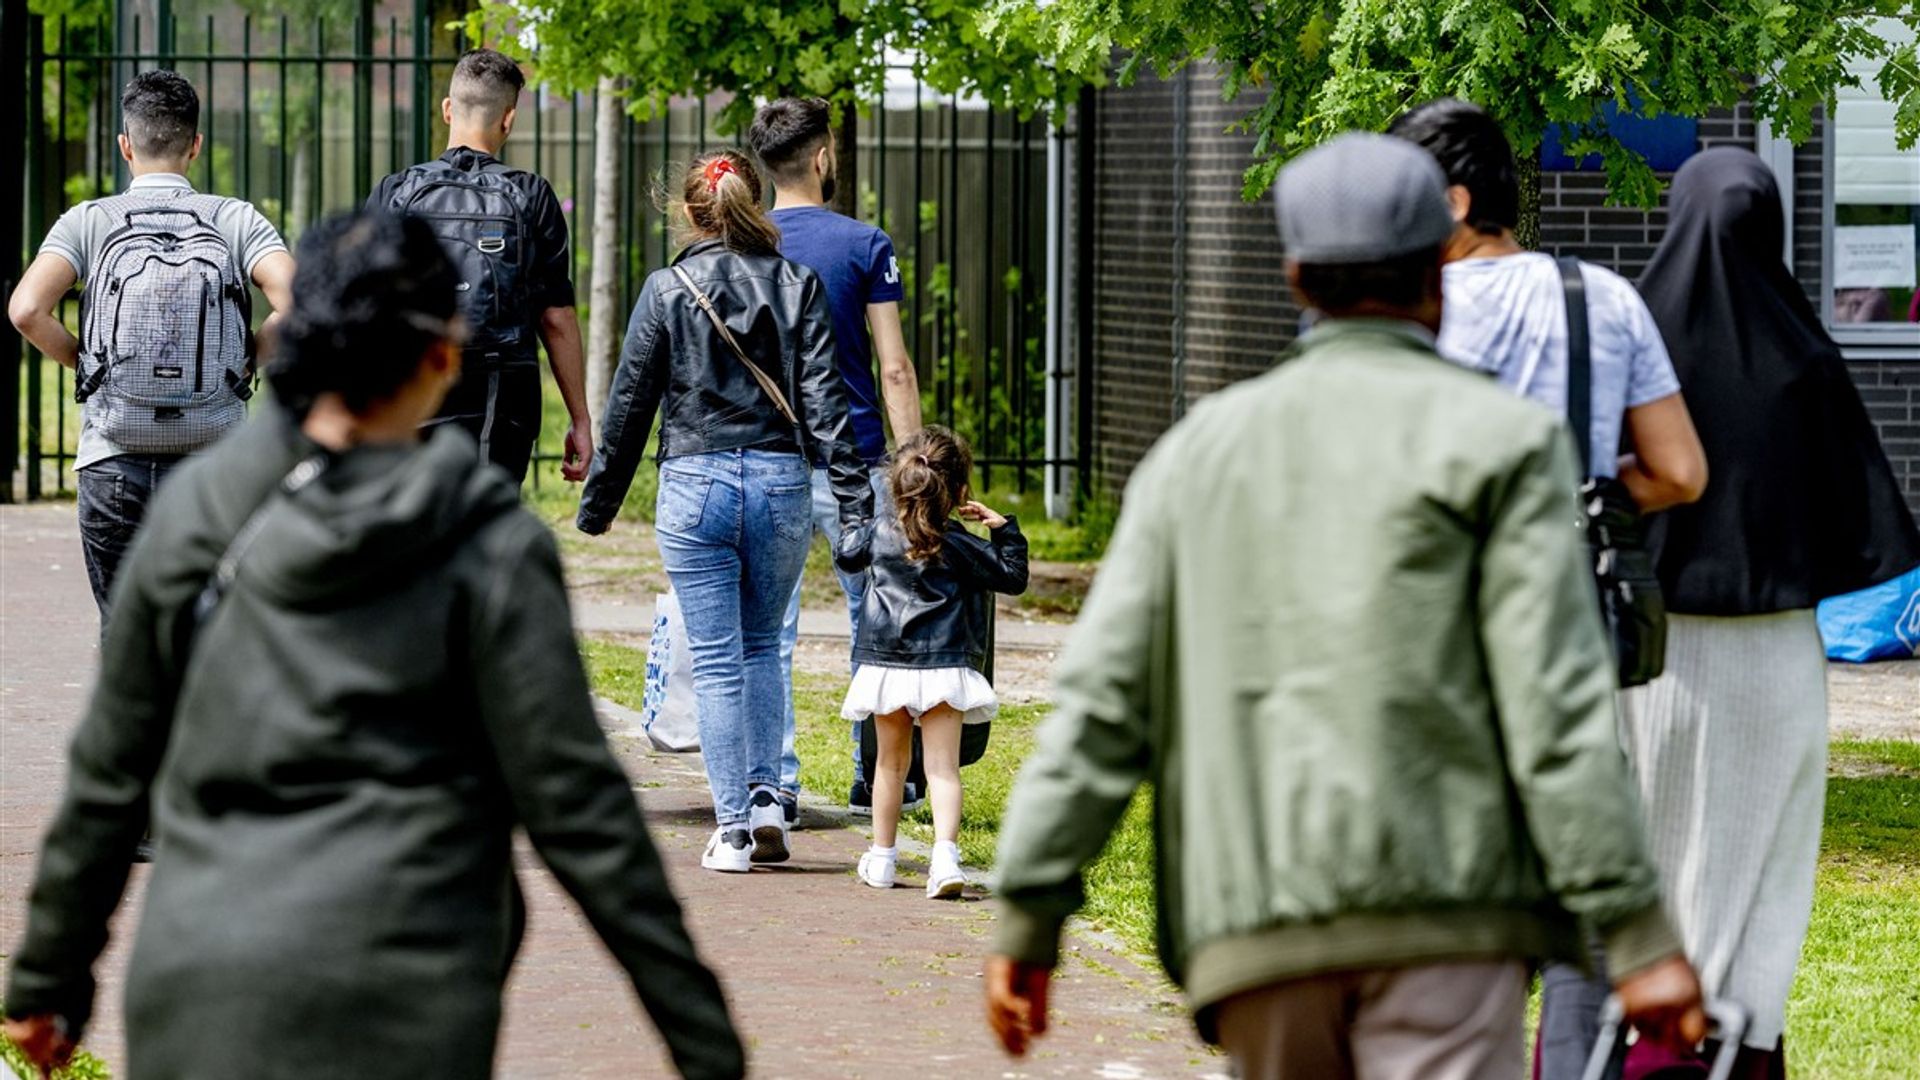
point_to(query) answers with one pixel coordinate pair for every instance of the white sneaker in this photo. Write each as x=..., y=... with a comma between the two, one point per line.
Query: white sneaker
x=876, y=870
x=768, y=819
x=945, y=878
x=730, y=851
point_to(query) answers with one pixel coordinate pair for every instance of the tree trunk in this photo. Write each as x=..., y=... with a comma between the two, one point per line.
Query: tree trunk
x=1527, y=230
x=846, y=152
x=603, y=316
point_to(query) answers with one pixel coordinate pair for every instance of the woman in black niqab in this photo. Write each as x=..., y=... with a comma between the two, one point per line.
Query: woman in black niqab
x=1730, y=744
x=1802, y=504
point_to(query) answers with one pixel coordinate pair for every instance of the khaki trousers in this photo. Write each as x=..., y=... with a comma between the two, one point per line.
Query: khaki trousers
x=1455, y=1021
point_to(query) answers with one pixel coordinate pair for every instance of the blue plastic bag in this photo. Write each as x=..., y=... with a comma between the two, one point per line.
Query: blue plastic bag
x=1881, y=623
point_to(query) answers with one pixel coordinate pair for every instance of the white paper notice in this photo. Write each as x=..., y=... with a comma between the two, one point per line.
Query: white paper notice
x=1873, y=257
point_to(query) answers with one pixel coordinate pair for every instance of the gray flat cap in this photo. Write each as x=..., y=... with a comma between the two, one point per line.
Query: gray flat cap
x=1362, y=198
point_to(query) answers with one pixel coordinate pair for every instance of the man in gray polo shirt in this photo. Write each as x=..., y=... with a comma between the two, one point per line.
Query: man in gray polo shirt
x=160, y=144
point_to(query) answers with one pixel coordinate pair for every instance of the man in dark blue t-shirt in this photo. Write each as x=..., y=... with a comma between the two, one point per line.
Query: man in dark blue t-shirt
x=793, y=139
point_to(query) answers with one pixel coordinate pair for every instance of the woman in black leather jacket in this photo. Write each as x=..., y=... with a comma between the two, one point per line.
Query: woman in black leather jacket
x=733, y=346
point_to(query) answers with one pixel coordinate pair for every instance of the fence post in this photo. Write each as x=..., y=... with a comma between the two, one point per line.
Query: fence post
x=164, y=32
x=422, y=83
x=15, y=29
x=1085, y=168
x=363, y=101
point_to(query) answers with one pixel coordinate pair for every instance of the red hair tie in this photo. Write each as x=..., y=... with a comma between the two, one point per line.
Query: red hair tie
x=716, y=169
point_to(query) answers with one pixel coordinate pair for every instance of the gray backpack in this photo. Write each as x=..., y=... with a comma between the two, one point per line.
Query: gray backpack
x=165, y=329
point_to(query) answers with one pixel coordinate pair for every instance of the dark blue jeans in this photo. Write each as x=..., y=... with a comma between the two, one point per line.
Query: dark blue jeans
x=113, y=501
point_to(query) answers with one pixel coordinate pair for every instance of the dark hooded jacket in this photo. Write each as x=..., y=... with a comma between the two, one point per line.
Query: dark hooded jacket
x=338, y=754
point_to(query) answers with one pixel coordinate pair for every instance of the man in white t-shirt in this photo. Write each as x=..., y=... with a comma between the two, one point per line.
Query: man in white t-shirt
x=1505, y=314
x=160, y=144
x=1504, y=311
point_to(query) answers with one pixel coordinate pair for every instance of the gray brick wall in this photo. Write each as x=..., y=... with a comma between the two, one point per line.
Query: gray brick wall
x=1211, y=291
x=1891, y=390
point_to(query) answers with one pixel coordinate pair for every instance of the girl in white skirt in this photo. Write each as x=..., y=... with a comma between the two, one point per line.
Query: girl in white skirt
x=923, y=636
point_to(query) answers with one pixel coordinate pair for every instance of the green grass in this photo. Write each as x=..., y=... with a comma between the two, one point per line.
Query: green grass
x=84, y=1066
x=1855, y=1009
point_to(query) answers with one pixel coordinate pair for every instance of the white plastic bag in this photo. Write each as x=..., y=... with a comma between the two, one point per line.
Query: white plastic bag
x=668, y=713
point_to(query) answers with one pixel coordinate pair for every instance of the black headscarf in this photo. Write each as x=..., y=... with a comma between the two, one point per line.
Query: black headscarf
x=1801, y=503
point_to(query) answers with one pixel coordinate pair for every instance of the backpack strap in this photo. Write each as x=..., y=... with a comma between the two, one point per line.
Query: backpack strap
x=1579, y=361
x=766, y=381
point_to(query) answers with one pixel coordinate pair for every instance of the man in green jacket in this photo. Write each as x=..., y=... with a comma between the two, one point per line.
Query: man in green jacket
x=1346, y=631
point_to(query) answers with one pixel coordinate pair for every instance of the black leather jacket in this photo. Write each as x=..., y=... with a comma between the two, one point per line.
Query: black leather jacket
x=777, y=311
x=931, y=614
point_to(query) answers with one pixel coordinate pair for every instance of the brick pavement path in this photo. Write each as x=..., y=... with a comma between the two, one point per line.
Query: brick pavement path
x=828, y=977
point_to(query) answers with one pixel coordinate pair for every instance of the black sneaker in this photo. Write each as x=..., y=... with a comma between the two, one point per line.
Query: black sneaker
x=860, y=799
x=769, y=826
x=790, y=807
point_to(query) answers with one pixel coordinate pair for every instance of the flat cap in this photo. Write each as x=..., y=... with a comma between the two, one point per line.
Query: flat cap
x=1362, y=198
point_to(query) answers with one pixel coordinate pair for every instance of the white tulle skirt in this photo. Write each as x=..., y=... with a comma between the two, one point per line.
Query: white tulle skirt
x=878, y=691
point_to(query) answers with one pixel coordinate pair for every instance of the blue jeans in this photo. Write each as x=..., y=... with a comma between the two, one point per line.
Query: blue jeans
x=826, y=519
x=733, y=528
x=1570, y=1004
x=113, y=497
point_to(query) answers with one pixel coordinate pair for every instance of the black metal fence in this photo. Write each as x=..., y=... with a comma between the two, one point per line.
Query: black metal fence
x=301, y=114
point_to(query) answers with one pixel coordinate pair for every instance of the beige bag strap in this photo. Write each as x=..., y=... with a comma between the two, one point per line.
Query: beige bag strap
x=766, y=382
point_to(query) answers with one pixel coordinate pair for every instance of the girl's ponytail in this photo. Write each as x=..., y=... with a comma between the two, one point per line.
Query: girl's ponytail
x=721, y=199
x=928, y=480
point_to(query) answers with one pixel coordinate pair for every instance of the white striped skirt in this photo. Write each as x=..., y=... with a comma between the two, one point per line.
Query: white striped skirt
x=1730, y=751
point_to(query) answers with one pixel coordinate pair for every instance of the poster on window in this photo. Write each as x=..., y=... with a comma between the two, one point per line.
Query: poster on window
x=1873, y=257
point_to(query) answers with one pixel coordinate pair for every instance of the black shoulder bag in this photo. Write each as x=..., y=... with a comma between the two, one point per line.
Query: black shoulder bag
x=1630, y=597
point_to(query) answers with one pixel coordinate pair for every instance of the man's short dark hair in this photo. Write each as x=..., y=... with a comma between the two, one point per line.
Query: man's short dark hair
x=487, y=81
x=1401, y=281
x=1473, y=152
x=161, y=113
x=786, y=132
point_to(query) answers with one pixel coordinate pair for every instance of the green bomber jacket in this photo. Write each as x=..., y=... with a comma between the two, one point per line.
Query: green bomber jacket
x=1346, y=631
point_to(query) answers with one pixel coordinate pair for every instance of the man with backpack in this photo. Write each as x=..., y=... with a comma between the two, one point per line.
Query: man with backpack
x=507, y=236
x=164, y=362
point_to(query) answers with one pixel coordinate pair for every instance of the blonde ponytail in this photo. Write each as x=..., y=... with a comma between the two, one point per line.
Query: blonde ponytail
x=721, y=199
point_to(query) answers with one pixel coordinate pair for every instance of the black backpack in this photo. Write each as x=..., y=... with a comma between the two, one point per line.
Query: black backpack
x=482, y=218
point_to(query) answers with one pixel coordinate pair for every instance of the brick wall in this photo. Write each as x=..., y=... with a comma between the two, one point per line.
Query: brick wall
x=1132, y=303
x=1891, y=389
x=1185, y=303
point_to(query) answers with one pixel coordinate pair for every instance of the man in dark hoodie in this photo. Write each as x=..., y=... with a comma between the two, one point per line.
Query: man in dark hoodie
x=343, y=668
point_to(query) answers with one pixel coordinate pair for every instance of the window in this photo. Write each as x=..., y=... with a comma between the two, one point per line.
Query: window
x=1872, y=219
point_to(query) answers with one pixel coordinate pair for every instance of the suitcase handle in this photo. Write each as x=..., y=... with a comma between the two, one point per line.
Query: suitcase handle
x=1726, y=1021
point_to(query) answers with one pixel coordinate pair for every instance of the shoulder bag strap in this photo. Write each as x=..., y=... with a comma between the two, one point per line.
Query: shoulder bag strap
x=228, y=567
x=766, y=382
x=1579, y=362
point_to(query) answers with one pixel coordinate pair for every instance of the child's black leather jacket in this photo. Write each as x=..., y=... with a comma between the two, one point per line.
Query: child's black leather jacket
x=930, y=614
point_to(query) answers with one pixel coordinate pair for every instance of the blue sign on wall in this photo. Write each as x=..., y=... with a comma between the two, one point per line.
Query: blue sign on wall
x=1665, y=141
